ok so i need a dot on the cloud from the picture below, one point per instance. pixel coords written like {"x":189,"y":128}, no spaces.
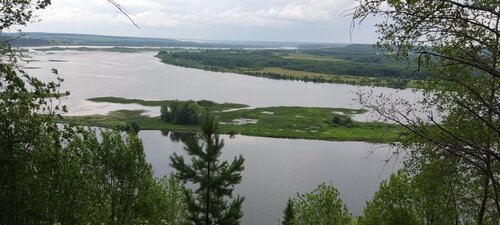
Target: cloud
{"x":302,"y":20}
{"x":173,"y":13}
{"x":312,"y":11}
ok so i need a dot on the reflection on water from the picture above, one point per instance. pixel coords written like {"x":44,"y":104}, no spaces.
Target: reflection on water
{"x":276,"y":169}
{"x":177,"y":136}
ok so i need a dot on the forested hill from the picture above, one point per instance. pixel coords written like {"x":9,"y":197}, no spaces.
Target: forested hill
{"x":54,"y":39}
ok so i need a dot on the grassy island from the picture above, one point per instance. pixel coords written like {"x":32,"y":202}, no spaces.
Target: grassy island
{"x":279,"y":122}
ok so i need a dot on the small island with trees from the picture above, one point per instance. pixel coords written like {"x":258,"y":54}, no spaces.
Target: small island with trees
{"x":278,"y":122}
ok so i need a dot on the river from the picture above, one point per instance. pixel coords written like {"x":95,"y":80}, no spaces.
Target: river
{"x":275,"y":169}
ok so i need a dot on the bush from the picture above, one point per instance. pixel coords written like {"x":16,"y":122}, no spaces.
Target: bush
{"x":342,"y":121}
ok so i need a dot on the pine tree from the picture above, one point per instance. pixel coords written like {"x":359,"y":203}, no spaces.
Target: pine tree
{"x":207,"y":204}
{"x":288,"y":213}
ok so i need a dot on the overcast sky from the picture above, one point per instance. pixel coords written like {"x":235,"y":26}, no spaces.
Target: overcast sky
{"x":247,"y":20}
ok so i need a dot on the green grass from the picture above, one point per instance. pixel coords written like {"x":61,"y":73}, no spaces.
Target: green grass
{"x":277,"y":122}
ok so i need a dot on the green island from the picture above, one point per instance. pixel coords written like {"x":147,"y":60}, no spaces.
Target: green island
{"x":332,"y":124}
{"x":352,"y":64}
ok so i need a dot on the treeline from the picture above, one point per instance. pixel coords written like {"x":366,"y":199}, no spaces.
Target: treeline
{"x":399,"y":83}
{"x":362,"y":53}
{"x":256,"y":59}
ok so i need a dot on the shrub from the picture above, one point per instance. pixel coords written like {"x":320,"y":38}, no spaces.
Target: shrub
{"x":342,"y":121}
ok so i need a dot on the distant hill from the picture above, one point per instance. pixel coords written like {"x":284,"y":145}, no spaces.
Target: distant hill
{"x":55,"y":39}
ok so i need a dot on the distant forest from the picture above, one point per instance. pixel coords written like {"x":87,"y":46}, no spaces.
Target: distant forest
{"x":54,"y":39}
{"x":357,"y":60}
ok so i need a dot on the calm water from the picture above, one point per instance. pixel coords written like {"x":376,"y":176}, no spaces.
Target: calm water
{"x":276,"y":169}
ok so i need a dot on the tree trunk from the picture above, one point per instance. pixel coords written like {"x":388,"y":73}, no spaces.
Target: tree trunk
{"x":483,"y":202}
{"x":208,"y":195}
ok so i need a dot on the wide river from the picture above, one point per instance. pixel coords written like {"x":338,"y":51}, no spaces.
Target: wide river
{"x":275,"y":169}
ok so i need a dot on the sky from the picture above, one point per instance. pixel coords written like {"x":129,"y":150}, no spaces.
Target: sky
{"x":239,"y":20}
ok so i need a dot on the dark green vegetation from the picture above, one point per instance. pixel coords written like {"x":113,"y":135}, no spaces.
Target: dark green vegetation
{"x":279,"y":122}
{"x":288,"y":214}
{"x":352,"y":64}
{"x":205,"y":103}
{"x":215,"y":180}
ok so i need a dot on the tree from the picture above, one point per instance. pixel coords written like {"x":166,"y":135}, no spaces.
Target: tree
{"x":127,"y":176}
{"x":458,"y":42}
{"x":175,"y":208}
{"x":428,"y":197}
{"x":178,"y":112}
{"x":288,"y":216}
{"x":216,"y":180}
{"x":322,"y":206}
{"x":165,"y":202}
{"x":392,"y":204}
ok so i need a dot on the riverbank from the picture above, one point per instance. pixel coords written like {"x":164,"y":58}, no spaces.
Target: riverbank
{"x":316,"y":123}
{"x":304,"y":66}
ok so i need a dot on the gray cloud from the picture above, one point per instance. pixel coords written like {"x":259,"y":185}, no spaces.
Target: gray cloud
{"x":202,"y":19}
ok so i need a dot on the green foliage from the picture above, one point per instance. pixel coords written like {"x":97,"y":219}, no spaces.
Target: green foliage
{"x":185,"y":113}
{"x":392,"y":204}
{"x":428,"y":197}
{"x":208,"y":204}
{"x":127,"y":174}
{"x":288,"y":213}
{"x":166,"y":202}
{"x":321,"y":206}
